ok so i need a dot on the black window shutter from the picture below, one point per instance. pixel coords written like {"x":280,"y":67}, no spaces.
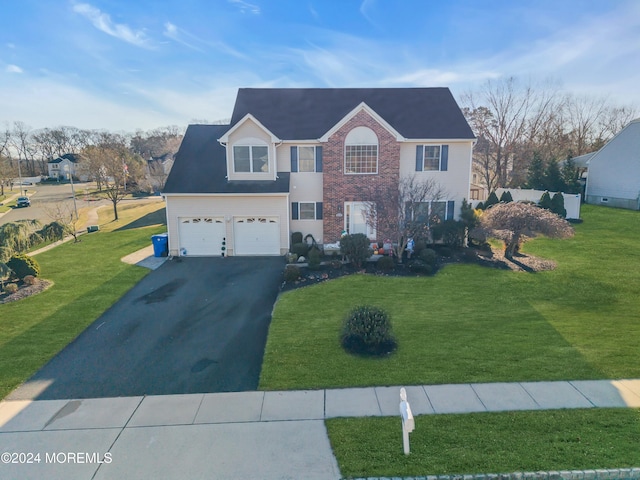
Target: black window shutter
{"x":318,"y":210}
{"x":444,"y":158}
{"x":450,"y":207}
{"x":319,"y":159}
{"x":419,"y":156}
{"x":294,"y":211}
{"x":294,"y":159}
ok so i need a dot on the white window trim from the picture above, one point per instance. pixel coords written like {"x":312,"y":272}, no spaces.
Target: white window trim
{"x":361,"y":145}
{"x":315,"y":213}
{"x":233,"y":159}
{"x":298,"y":147}
{"x":424,"y":158}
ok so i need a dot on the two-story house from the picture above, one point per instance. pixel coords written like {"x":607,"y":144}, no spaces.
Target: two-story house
{"x":303,"y":159}
{"x":63,"y":167}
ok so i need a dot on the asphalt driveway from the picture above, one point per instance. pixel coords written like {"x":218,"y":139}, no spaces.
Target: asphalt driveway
{"x":194,"y":325}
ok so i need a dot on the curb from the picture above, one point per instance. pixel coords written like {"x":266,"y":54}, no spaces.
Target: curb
{"x":599,"y":474}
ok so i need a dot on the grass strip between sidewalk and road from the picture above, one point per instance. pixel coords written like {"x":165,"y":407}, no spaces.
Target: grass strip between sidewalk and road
{"x":474,"y":443}
{"x":88,"y":278}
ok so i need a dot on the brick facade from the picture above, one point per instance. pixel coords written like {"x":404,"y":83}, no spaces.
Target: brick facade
{"x":339,"y":188}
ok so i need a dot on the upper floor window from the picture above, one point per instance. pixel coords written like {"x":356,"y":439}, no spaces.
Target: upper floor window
{"x":361,"y":159}
{"x":306,"y":159}
{"x":361,"y":151}
{"x":250,"y":158}
{"x":432,"y":158}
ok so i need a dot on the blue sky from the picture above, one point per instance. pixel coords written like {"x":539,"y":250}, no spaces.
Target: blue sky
{"x":129,"y":64}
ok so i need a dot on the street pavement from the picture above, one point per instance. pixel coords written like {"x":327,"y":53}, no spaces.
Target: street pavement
{"x":240,"y":435}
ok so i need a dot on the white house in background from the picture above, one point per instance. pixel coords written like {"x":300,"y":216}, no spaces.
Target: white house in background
{"x":63,"y":166}
{"x":614,"y":171}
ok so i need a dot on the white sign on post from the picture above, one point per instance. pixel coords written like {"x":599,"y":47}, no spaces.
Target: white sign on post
{"x":408,"y":424}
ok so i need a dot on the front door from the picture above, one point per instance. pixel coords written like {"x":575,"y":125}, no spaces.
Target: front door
{"x":355,"y":219}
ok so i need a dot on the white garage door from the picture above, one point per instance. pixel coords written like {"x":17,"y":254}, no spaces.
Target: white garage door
{"x":201,"y":236}
{"x":256,"y":235}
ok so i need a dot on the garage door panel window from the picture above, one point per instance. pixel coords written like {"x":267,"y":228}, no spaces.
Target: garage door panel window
{"x":250,"y":158}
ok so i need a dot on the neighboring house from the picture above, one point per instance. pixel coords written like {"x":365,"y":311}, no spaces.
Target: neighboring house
{"x":614,"y":171}
{"x":63,"y":166}
{"x":160,"y":165}
{"x":302,"y":159}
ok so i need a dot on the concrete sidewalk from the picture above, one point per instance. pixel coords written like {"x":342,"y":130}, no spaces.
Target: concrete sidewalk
{"x":267,"y":435}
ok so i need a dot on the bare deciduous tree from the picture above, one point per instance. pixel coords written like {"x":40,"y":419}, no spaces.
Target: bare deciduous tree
{"x":513,"y":120}
{"x":515,"y":222}
{"x":396,"y":211}
{"x":505,"y":114}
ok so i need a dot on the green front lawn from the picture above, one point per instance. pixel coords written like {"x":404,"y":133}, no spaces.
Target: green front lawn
{"x":488,"y":443}
{"x":88,"y":278}
{"x":476,"y":324}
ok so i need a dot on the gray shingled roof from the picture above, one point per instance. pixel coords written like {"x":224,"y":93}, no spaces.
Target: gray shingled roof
{"x":200,"y":167}
{"x":308,"y":113}
{"x":72,"y":157}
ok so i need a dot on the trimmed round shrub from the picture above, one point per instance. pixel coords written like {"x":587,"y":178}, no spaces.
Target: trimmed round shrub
{"x":30,"y":280}
{"x":291,"y":273}
{"x":386,"y":264}
{"x":367,"y":331}
{"x":314,"y":258}
{"x":23,"y":265}
{"x":301,"y":249}
{"x":11,"y":288}
{"x":296,"y":237}
{"x":292,"y":258}
{"x":428,"y":255}
{"x":356,"y":247}
{"x":421,"y":267}
{"x":335,"y":264}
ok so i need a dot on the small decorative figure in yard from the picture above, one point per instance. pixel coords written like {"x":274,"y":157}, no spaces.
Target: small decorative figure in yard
{"x":410,"y":245}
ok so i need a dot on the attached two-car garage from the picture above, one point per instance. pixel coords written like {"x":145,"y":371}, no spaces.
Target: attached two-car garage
{"x":252,"y":235}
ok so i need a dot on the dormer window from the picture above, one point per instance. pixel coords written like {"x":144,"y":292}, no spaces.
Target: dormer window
{"x":251,"y":159}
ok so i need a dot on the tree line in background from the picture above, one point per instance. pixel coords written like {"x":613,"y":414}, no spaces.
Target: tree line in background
{"x":525,"y":132}
{"x":111,"y":159}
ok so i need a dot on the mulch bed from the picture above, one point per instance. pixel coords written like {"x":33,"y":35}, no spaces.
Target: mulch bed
{"x":491,"y":259}
{"x":25,"y":291}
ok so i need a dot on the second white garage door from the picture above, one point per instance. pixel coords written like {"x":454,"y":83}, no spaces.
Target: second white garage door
{"x":256,"y":235}
{"x":201,"y":236}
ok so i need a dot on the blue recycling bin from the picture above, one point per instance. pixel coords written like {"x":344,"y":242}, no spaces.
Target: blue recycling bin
{"x":160,"y":244}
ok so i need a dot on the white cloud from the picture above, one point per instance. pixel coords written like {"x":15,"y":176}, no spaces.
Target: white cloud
{"x":245,"y":7}
{"x":189,"y":40}
{"x":13,"y":69}
{"x":436,"y":77}
{"x":174,"y":33}
{"x":102,"y":21}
